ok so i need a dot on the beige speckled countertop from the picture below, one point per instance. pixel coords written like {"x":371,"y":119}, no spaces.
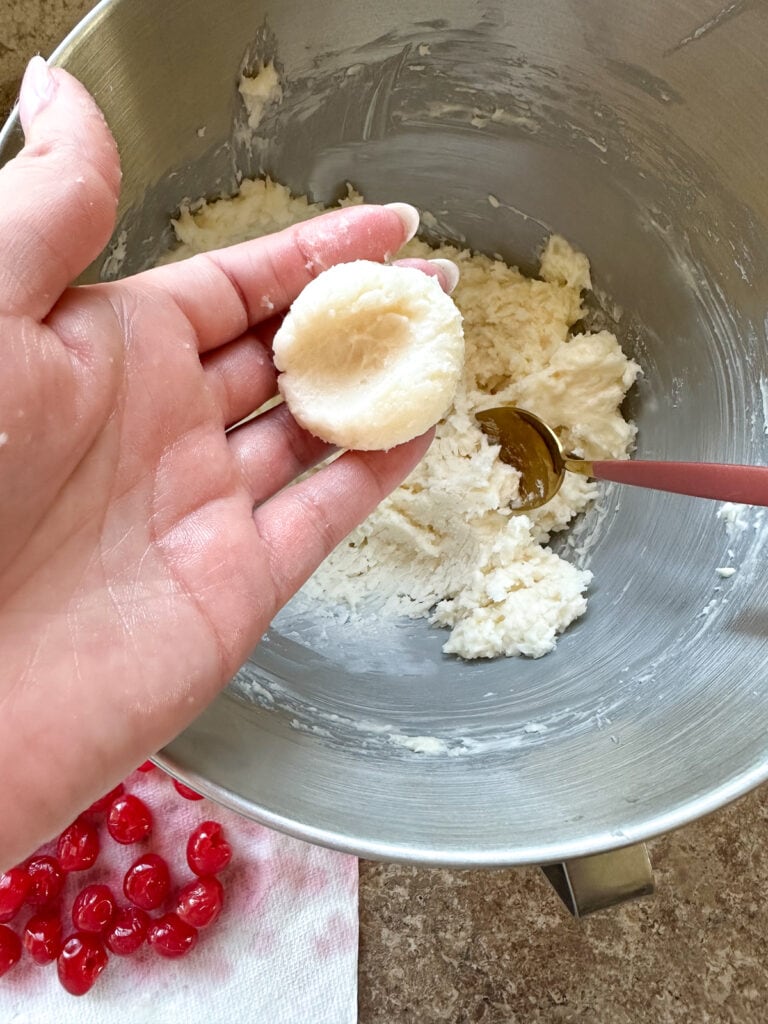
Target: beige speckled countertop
{"x":497,"y":947}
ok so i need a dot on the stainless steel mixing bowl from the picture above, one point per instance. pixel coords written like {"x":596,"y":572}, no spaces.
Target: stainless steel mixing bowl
{"x":638,"y":131}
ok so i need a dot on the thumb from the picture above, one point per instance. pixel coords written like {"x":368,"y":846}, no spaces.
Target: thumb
{"x":59,"y":194}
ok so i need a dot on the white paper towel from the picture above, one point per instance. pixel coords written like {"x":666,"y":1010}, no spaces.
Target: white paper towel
{"x":283,"y":951}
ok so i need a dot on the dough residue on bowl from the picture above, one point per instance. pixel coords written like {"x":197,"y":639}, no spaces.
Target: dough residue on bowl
{"x":445,"y":545}
{"x":259,"y":91}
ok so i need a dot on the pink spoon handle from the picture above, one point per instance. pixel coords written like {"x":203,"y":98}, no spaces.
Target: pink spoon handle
{"x":747,"y":485}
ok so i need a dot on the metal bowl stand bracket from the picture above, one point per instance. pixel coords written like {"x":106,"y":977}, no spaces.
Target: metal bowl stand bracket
{"x":603,"y":880}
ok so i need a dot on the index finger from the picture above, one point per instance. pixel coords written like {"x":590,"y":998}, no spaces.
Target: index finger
{"x":223,"y":292}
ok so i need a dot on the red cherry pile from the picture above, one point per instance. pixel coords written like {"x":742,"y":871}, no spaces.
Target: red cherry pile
{"x":102,"y":926}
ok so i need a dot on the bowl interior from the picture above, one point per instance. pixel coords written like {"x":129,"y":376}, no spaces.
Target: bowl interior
{"x":627,"y":141}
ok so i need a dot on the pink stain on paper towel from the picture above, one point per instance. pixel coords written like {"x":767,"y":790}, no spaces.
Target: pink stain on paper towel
{"x":269,"y":884}
{"x":339,"y":936}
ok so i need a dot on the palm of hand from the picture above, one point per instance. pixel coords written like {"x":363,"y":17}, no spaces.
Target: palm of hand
{"x":144,"y":550}
{"x":132,"y":555}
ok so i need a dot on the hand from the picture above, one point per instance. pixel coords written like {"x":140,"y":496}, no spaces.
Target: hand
{"x":143,"y":551}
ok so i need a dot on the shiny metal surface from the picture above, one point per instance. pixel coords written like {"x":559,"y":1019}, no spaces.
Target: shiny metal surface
{"x":533,"y":447}
{"x":637,"y":130}
{"x":603,"y":880}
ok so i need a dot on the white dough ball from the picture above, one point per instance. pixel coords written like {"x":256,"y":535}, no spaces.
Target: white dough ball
{"x":370,"y":355}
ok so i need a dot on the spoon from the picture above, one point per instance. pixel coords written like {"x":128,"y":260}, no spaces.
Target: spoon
{"x":534,"y":449}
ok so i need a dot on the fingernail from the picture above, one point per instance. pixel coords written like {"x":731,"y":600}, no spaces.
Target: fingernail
{"x":37,"y":90}
{"x":449,"y":271}
{"x":409,"y":215}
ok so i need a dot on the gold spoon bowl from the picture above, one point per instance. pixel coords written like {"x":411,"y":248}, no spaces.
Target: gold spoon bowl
{"x":534,"y":449}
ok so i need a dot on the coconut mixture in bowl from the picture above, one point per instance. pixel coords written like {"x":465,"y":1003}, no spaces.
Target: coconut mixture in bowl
{"x":445,"y":545}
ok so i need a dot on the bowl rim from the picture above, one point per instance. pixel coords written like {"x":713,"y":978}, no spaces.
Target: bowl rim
{"x":12,"y":123}
{"x":684,"y":813}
